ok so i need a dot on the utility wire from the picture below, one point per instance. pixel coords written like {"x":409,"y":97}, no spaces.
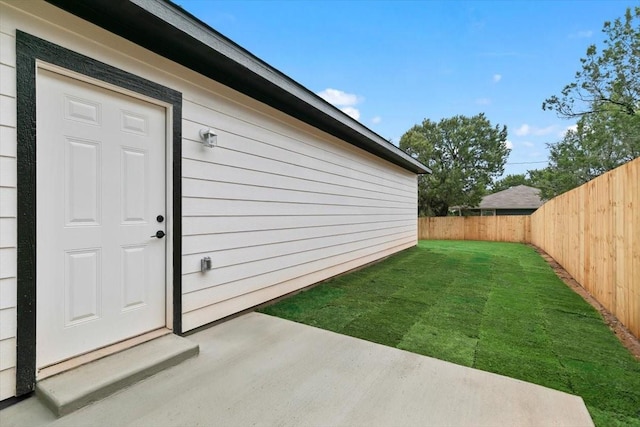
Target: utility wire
{"x":524,"y":163}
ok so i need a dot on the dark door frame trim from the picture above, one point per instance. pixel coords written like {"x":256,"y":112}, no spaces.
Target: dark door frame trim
{"x":29,"y":49}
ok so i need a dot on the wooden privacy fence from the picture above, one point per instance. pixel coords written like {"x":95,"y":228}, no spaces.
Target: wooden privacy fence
{"x":593,"y":231}
{"x":493,"y":228}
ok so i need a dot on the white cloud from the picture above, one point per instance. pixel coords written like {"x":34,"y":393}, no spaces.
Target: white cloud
{"x":528,"y":144}
{"x":567,"y":129}
{"x":508,"y":144}
{"x":544,"y":131}
{"x":483,"y":101}
{"x":351,"y":111}
{"x":338,"y":97}
{"x":345,"y":101}
{"x":497,"y":78}
{"x":584,"y":34}
{"x":376,"y":120}
{"x":525,"y":130}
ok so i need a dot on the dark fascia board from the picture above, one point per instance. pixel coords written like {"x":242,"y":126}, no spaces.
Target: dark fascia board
{"x":168,"y":30}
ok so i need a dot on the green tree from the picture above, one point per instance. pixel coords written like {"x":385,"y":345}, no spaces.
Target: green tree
{"x":464,"y":153}
{"x":598,"y":144}
{"x":609,"y":80}
{"x":605,"y":97}
{"x":510,"y":181}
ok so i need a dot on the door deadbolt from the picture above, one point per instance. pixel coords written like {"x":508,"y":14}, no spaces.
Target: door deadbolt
{"x":159,"y":218}
{"x":159,"y":234}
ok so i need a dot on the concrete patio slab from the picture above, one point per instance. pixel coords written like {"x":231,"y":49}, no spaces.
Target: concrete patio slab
{"x":261,"y":370}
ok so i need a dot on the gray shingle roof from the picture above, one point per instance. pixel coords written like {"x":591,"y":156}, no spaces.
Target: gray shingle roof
{"x":518,"y":197}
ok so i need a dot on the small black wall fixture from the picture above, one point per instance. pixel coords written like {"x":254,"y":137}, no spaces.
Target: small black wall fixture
{"x":29,"y":49}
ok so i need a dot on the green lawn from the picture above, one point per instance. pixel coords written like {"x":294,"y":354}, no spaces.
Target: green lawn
{"x":492,"y":306}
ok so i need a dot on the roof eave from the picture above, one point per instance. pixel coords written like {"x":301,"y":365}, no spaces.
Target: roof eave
{"x":168,"y":30}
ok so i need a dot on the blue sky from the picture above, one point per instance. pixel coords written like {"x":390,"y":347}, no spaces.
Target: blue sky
{"x":390,"y":64}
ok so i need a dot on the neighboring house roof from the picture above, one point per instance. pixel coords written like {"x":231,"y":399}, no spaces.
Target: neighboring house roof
{"x":518,"y":197}
{"x":168,"y":30}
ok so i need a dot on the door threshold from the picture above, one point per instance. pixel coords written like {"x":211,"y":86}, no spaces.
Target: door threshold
{"x":74,"y":362}
{"x":79,"y":387}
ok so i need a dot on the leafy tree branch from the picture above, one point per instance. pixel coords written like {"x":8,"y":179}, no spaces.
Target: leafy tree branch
{"x":464,"y":153}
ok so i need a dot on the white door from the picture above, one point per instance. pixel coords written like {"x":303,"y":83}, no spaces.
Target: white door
{"x":100,"y":191}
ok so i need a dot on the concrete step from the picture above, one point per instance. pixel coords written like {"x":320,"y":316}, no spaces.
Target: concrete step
{"x":71,"y":390}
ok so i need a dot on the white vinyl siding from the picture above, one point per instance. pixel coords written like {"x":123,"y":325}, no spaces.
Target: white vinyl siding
{"x":8,"y":222}
{"x":278,"y":205}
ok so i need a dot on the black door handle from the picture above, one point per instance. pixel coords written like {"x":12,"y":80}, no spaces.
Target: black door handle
{"x":159,"y":234}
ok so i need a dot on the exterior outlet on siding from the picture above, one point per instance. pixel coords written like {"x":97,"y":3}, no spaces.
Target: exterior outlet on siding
{"x":293,"y":193}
